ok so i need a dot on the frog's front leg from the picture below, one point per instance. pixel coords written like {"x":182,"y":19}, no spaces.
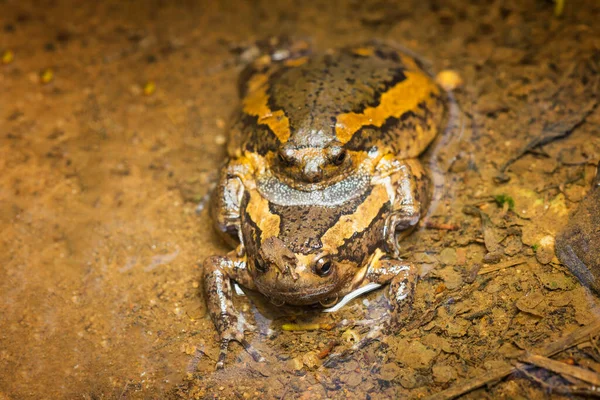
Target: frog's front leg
{"x":401,"y":277}
{"x":227,"y":199}
{"x":230,"y":324}
{"x":406,"y":184}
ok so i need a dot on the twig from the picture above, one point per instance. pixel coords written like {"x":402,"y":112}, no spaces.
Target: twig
{"x":562,"y":368}
{"x":498,"y":267}
{"x":287,"y":389}
{"x":550,"y":133}
{"x":568,"y":341}
{"x":569,"y":390}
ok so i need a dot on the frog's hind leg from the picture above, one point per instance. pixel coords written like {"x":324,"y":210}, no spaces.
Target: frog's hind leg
{"x":230,"y":324}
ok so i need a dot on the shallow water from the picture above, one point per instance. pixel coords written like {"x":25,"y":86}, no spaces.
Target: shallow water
{"x":101,"y":245}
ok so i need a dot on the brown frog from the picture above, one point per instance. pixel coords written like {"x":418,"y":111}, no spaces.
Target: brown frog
{"x":322,"y":176}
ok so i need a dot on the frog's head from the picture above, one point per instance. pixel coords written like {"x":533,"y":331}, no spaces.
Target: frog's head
{"x":298,"y":279}
{"x":313,"y":160}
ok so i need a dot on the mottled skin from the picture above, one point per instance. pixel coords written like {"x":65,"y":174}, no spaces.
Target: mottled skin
{"x":311,"y":225}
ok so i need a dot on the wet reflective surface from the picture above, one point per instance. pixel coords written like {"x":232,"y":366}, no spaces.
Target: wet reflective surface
{"x":101,"y":173}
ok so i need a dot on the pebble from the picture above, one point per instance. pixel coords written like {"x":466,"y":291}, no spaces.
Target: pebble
{"x":220,"y":140}
{"x":414,"y":354}
{"x":444,"y":373}
{"x":311,"y":359}
{"x":389,"y":371}
{"x":449,"y":79}
{"x":353,"y":379}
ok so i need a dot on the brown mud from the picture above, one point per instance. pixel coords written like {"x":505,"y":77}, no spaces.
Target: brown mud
{"x":111,"y":131}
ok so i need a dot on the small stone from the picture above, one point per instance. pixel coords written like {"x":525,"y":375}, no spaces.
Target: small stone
{"x":452,"y":279}
{"x":437,"y":342}
{"x":556,"y":281}
{"x":408,"y":378}
{"x":353,"y":379}
{"x":448,"y":256}
{"x":295,"y":364}
{"x":389,"y":371}
{"x":492,"y":258}
{"x":220,"y":140}
{"x":544,"y":252}
{"x":449,"y":79}
{"x":414,"y":354}
{"x":311,"y":359}
{"x":444,"y":373}
{"x":531,"y":304}
{"x":458,"y":327}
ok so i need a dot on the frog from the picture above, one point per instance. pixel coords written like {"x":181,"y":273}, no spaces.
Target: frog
{"x":321,"y":182}
{"x":313,"y":119}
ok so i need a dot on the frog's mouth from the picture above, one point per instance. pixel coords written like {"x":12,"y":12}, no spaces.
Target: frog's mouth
{"x":324,"y":293}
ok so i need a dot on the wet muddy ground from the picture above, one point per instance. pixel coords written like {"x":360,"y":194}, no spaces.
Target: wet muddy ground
{"x":112,"y":120}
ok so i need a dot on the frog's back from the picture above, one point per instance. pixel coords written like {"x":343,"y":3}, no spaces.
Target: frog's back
{"x":364,"y":98}
{"x":349,"y":225}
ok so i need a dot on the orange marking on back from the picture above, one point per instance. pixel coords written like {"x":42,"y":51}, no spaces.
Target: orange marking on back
{"x":256,"y":104}
{"x":356,"y":222}
{"x":258,"y":210}
{"x":405,"y":96}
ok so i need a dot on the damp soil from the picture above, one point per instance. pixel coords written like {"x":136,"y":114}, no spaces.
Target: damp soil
{"x":112,"y":119}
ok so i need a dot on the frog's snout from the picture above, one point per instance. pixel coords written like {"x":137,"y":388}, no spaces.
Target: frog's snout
{"x":312,"y":171}
{"x":312,"y":162}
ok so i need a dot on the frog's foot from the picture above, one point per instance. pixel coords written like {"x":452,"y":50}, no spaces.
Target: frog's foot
{"x":401,"y":293}
{"x":397,"y":225}
{"x":235,"y":332}
{"x":230,"y":324}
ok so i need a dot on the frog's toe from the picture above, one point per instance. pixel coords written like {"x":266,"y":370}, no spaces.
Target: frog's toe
{"x":238,"y":337}
{"x":252,"y":351}
{"x":223,"y":353}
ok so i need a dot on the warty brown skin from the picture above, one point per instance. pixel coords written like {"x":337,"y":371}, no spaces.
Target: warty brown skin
{"x":306,"y":240}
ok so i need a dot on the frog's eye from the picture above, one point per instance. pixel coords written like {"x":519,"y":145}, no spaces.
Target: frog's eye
{"x":339,"y":159}
{"x":337,"y":154}
{"x":260,"y":265}
{"x":285,"y":157}
{"x":323,"y":266}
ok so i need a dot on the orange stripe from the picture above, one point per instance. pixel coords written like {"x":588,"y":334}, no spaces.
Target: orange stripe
{"x":256,"y":104}
{"x":403,"y":97}
{"x":258,"y":210}
{"x":356,"y":222}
